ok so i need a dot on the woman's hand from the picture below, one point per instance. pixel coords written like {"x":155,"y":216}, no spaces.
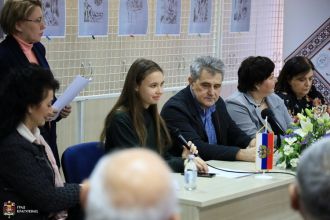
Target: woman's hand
{"x":186,"y":151}
{"x":65,"y":111}
{"x":200,"y":163}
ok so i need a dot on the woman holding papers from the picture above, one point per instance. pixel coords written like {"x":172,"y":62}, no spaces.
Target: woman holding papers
{"x":29,"y":176}
{"x":256,"y":84}
{"x":135,"y":121}
{"x":23,"y":22}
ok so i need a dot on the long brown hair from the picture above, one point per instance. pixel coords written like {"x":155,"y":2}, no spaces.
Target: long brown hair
{"x":130,"y":101}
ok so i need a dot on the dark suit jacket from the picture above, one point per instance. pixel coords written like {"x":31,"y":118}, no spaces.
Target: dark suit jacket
{"x":27,"y":178}
{"x":181,"y":112}
{"x":12,"y":56}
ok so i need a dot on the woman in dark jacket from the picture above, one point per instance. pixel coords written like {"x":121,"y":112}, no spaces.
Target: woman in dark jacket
{"x":23,"y":22}
{"x":29,"y":177}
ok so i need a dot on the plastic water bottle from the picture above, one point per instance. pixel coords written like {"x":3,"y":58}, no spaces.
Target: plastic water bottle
{"x":190,"y":174}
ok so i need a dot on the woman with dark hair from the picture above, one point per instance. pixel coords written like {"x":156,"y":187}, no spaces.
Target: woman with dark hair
{"x":255,"y":93}
{"x":135,"y":121}
{"x":295,"y":85}
{"x":23,"y":22}
{"x":29,"y":176}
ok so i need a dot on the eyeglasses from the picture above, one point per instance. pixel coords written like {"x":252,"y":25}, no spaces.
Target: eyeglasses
{"x":37,"y":21}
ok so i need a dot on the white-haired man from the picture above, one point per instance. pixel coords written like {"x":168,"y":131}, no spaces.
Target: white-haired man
{"x":310,"y":194}
{"x":131,"y":184}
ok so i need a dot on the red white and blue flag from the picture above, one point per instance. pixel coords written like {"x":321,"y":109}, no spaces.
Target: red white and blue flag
{"x":264,"y":151}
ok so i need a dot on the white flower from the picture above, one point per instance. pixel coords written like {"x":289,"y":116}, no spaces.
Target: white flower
{"x":282,"y":165}
{"x":323,"y":118}
{"x":300,"y":132}
{"x":301,"y":117}
{"x":294,"y":162}
{"x":307,"y":126}
{"x":290,"y":140}
{"x":288,"y":150}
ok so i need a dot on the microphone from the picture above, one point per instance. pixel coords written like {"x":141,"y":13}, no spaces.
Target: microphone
{"x":276,"y":127}
{"x":176,"y":133}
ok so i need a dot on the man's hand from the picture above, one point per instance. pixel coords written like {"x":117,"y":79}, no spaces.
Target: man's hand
{"x":252,"y":143}
{"x":248,"y":154}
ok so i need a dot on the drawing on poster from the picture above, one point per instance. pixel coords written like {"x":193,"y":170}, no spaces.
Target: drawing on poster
{"x":200,"y":11}
{"x":51,"y":12}
{"x":241,"y":10}
{"x":240,"y":15}
{"x":321,"y":61}
{"x":169,"y":12}
{"x":134,"y":9}
{"x":93,"y":13}
{"x":317,"y":48}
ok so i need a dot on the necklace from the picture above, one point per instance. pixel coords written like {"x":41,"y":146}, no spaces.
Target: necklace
{"x":260,"y":103}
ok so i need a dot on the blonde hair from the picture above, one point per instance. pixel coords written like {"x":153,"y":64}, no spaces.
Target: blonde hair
{"x":14,"y":11}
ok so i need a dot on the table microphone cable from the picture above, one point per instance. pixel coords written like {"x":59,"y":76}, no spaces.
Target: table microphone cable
{"x":251,"y":172}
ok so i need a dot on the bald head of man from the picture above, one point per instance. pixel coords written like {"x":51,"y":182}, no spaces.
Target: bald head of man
{"x":310,"y":193}
{"x":131,"y":184}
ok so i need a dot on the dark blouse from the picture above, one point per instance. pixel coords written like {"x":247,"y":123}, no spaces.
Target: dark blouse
{"x":296,"y":106}
{"x":121,"y":134}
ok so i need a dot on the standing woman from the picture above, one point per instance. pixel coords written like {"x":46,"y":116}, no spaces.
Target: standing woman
{"x":295,"y":85}
{"x":255,"y":93}
{"x":23,"y":22}
{"x":29,"y":176}
{"x":135,"y":121}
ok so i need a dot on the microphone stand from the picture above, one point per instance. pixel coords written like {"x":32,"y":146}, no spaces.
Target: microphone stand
{"x":278,"y":142}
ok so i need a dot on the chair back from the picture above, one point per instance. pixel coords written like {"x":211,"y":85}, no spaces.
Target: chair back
{"x":78,"y":161}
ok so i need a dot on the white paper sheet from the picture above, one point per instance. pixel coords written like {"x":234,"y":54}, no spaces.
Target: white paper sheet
{"x":228,"y":174}
{"x":77,"y":85}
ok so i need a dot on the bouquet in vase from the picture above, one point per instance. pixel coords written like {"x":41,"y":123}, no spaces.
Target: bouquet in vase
{"x":306,"y":129}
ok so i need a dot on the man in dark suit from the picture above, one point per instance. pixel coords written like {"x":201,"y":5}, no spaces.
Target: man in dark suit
{"x":201,"y":116}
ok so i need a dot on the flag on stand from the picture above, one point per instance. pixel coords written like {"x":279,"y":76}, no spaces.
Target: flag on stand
{"x":264,"y":151}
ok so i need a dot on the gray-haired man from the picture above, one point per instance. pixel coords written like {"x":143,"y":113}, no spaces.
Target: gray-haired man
{"x":200,"y":114}
{"x":310,"y":194}
{"x":131,"y":184}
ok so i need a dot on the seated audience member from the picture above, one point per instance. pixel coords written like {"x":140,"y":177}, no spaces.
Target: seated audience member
{"x":295,"y":87}
{"x":29,"y":176}
{"x":310,"y":194}
{"x":255,"y":93}
{"x":200,"y":114}
{"x":131,"y":184}
{"x":135,"y":121}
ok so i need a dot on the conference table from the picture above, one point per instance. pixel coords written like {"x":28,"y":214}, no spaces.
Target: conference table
{"x":245,"y":197}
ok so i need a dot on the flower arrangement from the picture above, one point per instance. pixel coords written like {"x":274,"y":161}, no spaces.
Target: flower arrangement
{"x":306,"y":129}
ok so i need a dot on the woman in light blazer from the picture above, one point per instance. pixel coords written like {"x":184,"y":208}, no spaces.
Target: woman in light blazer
{"x":255,"y":93}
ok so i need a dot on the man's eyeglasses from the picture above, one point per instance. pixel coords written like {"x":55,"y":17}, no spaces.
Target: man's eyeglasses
{"x":37,"y":21}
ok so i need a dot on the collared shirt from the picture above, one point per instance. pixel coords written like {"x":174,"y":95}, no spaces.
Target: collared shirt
{"x":27,"y":134}
{"x":206,"y":116}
